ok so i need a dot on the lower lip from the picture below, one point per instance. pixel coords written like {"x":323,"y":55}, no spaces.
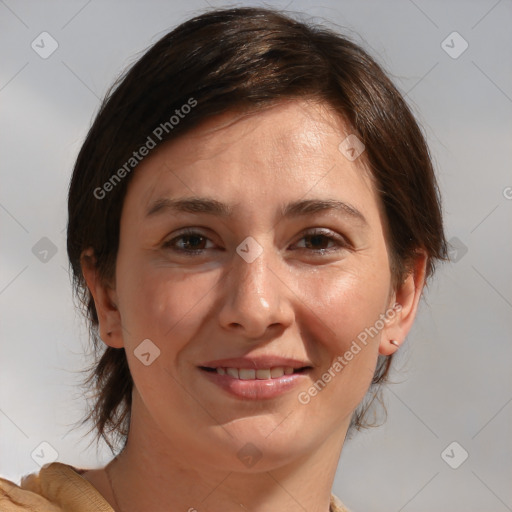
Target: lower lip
{"x":256,"y":389}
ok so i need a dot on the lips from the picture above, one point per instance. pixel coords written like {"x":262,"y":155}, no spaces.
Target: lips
{"x":258,"y":378}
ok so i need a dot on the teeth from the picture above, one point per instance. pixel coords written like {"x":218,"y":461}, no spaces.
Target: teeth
{"x":260,"y":374}
{"x":277,"y":372}
{"x":232,"y":372}
{"x":263,"y":373}
{"x":246,"y":374}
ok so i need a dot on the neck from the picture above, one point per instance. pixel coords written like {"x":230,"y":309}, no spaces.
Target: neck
{"x":156,"y":473}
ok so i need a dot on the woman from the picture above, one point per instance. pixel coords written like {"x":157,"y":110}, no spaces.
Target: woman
{"x":252,"y":219}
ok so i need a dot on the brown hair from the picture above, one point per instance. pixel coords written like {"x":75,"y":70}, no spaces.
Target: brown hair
{"x":248,"y":58}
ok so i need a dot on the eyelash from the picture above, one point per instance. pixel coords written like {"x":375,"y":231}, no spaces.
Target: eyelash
{"x":340,"y":242}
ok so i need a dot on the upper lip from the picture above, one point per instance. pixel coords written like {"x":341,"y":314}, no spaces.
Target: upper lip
{"x":257,"y":363}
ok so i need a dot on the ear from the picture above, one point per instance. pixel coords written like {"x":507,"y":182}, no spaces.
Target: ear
{"x":406,"y":299}
{"x":105,"y":300}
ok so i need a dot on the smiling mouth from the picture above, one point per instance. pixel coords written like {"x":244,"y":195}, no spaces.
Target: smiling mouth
{"x":253,"y":374}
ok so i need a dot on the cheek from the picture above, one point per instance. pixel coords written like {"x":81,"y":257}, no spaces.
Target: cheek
{"x":345,"y":301}
{"x":162,"y":304}
{"x":343,"y":381}
{"x":345,"y":327}
{"x":165,"y":306}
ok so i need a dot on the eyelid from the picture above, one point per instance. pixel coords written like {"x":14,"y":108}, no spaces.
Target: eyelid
{"x":188,"y":231}
{"x":341,"y":242}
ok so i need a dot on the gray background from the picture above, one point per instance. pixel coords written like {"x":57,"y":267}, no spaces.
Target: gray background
{"x":454,"y":383}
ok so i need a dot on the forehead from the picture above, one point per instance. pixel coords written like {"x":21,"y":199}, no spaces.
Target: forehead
{"x":288,"y":150}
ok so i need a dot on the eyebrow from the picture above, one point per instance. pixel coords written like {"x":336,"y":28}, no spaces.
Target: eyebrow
{"x":213,"y":207}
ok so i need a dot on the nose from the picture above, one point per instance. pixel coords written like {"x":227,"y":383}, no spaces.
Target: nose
{"x":256,"y":297}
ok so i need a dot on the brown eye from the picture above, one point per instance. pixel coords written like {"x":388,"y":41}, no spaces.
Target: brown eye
{"x":189,"y":242}
{"x":318,"y":241}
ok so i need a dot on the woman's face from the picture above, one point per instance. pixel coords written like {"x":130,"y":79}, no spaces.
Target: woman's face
{"x":260,"y":268}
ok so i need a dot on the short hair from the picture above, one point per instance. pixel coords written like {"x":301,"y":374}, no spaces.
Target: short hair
{"x":241,"y":59}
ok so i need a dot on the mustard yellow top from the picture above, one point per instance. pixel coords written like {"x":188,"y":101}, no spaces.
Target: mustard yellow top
{"x":59,"y":487}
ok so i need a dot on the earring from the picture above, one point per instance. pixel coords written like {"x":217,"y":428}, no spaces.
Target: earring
{"x":394,"y":342}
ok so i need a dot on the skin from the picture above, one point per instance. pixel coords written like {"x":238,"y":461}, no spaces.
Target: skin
{"x":292,"y":301}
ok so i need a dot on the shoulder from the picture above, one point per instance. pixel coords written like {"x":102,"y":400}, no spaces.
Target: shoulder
{"x":337,"y":505}
{"x":57,"y":487}
{"x":13,"y":498}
